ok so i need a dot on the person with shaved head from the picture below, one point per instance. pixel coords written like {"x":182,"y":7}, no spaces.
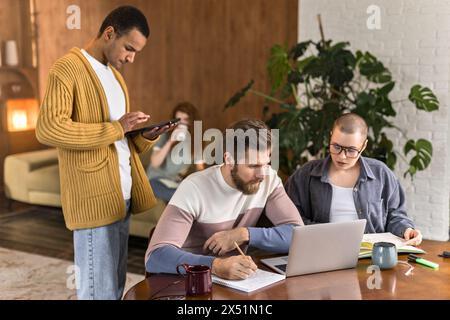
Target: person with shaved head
{"x":346,"y":186}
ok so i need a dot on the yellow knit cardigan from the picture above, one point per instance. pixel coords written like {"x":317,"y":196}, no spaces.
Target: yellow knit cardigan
{"x":74,"y":118}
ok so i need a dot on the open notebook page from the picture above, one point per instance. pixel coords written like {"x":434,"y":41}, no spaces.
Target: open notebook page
{"x":256,"y":281}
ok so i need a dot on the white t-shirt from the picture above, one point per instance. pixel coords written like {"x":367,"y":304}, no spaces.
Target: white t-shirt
{"x":117,"y":108}
{"x":342,"y":205}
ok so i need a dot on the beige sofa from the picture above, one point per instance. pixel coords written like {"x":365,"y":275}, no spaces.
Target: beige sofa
{"x":33,"y":177}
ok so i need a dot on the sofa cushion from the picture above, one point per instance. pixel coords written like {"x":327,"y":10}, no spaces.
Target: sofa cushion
{"x":44,"y":198}
{"x":142,"y":223}
{"x":44,"y":179}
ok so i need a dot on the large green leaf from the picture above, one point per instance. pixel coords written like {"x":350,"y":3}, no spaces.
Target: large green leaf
{"x":384,"y":107}
{"x":339,"y":64}
{"x":278,"y":66}
{"x":299,"y":49}
{"x":410,"y":145}
{"x":334,"y":64}
{"x":239,"y":95}
{"x":315,"y":68}
{"x":341,"y":68}
{"x":372,"y":68}
{"x":423,"y":98}
{"x":424,"y":151}
{"x":387,"y":88}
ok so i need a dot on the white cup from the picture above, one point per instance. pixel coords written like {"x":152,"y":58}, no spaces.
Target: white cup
{"x":180,"y":132}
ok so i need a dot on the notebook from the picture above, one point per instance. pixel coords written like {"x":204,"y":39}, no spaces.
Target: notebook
{"x":256,"y":281}
{"x":371,"y":238}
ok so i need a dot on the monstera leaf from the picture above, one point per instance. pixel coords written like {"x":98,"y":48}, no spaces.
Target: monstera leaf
{"x":373,"y":69}
{"x":334,"y":64}
{"x":386,"y":89}
{"x":422,"y":159}
{"x":299,"y":49}
{"x":239,"y":95}
{"x":423,"y":98}
{"x":278,"y":66}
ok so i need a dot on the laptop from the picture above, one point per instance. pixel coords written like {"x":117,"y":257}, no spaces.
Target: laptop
{"x":320,"y":248}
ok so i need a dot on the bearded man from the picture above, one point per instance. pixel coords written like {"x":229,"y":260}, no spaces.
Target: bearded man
{"x":215,"y":208}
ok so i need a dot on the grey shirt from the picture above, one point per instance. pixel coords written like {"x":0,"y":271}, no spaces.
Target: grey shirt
{"x":378,"y":196}
{"x":168,"y":169}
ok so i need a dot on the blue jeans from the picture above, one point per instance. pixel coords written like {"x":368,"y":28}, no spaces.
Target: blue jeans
{"x":161,"y":191}
{"x":101,"y":256}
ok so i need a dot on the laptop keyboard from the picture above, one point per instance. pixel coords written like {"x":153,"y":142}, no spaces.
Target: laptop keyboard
{"x":282,"y":267}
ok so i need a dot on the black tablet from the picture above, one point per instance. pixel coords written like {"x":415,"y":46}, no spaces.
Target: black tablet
{"x":147,"y":127}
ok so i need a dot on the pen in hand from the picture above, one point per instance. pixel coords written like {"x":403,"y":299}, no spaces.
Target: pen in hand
{"x":240,"y":251}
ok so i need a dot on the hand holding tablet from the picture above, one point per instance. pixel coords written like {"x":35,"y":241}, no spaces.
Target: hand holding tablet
{"x":154,"y":127}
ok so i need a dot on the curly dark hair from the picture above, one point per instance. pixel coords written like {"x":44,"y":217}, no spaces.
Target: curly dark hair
{"x":187,"y":108}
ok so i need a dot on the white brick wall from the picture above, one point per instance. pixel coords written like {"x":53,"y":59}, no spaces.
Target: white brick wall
{"x":414,"y":43}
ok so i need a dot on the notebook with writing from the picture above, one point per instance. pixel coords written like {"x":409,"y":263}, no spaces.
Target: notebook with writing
{"x":258,"y":280}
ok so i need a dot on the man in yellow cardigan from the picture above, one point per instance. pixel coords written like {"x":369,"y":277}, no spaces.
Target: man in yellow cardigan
{"x":85,"y":114}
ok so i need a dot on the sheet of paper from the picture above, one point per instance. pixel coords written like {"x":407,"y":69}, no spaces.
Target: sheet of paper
{"x":169,"y":183}
{"x":259,"y":279}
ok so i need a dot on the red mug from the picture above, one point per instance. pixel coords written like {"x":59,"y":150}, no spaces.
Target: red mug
{"x":198,"y":279}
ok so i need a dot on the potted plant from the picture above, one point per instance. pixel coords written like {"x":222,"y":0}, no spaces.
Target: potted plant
{"x":315,"y":82}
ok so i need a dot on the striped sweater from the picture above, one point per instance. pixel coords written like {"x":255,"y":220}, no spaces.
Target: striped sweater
{"x":205,"y":204}
{"x":74,"y":118}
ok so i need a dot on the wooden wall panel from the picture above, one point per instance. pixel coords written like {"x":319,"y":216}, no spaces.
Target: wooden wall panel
{"x":11,"y":12}
{"x":10,"y":23}
{"x":14,"y":25}
{"x":203,"y":51}
{"x":55,"y":39}
{"x":199,"y":50}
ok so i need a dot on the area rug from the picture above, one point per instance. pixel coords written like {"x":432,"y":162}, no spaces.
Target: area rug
{"x":26,"y":276}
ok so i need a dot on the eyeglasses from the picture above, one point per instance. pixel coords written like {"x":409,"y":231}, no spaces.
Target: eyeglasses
{"x":350,"y":152}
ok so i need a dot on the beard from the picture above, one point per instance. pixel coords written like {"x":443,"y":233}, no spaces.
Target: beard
{"x":246,"y":188}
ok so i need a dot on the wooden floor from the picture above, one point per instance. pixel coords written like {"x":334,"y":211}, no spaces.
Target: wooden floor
{"x":41,"y":230}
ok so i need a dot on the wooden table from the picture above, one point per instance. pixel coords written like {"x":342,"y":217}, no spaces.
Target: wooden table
{"x":423,"y":283}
